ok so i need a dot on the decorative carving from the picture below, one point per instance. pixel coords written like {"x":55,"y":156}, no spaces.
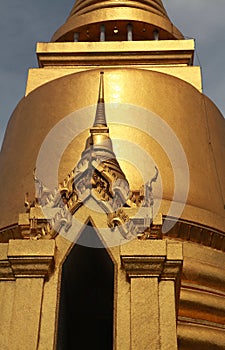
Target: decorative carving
{"x":117,"y":218}
{"x":153,"y":230}
{"x":97,"y":174}
{"x":148,"y":200}
{"x":63,"y":201}
{"x":101,"y":186}
{"x":62,"y":219}
{"x":146,"y":228}
{"x":106,"y":187}
{"x":125,"y":225}
{"x":135,"y":199}
{"x":32,"y":228}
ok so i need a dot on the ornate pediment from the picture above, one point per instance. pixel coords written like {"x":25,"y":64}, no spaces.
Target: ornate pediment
{"x":99,"y":176}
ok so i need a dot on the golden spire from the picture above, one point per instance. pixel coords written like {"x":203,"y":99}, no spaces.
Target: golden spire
{"x":100,"y":118}
{"x":145,"y":16}
{"x":99,"y":155}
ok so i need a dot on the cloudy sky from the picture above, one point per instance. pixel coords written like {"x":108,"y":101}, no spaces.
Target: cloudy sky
{"x":25,"y":22}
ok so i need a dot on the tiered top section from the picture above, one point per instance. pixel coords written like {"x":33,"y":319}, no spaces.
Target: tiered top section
{"x":112,"y":20}
{"x":98,"y":167}
{"x":84,"y":6}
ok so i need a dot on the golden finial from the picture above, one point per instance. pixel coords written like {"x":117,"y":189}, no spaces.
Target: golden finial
{"x":100,"y":118}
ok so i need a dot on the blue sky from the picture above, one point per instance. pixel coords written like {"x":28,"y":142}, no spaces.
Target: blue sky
{"x":23,"y":23}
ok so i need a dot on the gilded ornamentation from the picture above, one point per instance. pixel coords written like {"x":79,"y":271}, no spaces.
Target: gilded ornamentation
{"x":98,"y":175}
{"x":152,"y":232}
{"x":125,"y":225}
{"x":33,"y":225}
{"x":148,"y":200}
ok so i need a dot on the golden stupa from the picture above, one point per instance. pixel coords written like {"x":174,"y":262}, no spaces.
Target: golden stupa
{"x":133,"y":163}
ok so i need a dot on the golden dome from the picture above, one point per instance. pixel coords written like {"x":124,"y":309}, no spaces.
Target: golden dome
{"x":145,"y":16}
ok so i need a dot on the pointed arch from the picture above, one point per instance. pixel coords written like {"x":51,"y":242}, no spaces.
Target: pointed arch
{"x":86,"y":302}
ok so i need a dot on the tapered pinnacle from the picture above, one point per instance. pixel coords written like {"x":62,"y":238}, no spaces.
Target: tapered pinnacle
{"x":100,"y":118}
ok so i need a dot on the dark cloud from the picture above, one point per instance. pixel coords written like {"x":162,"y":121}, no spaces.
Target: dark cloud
{"x":23,"y":23}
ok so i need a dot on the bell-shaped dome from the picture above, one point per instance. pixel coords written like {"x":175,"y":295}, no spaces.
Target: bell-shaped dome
{"x":146,"y":17}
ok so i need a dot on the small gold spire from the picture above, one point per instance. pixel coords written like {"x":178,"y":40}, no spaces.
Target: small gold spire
{"x":101,"y":88}
{"x":100,"y":118}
